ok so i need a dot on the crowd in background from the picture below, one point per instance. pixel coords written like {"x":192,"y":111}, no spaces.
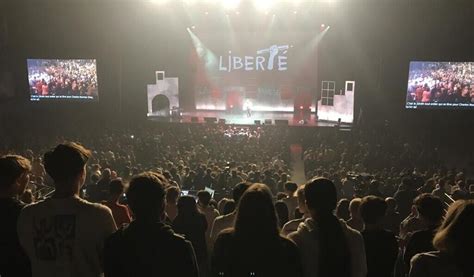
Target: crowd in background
{"x":63,"y":77}
{"x":375,"y":205}
{"x":442,"y":83}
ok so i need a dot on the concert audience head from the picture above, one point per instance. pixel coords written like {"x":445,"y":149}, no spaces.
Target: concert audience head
{"x":303,"y":209}
{"x":354,"y":207}
{"x":66,"y":166}
{"x":342,"y":209}
{"x":454,"y":236}
{"x":282,"y":213}
{"x":290,"y":188}
{"x":430,"y":208}
{"x":187,"y":206}
{"x":116,"y":188}
{"x":239,"y":190}
{"x":372,"y":210}
{"x":321,"y":199}
{"x":229,"y":207}
{"x":172,"y":194}
{"x":145,"y":196}
{"x":256,"y":216}
{"x":391,"y":204}
{"x":14,"y":175}
{"x":204,"y":198}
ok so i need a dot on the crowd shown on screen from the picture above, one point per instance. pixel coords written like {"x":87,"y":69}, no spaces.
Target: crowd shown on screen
{"x":68,"y":77}
{"x":219,"y":201}
{"x":445,"y":83}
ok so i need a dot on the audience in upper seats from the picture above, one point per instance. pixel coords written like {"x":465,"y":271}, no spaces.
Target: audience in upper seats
{"x":204,"y":198}
{"x":454,"y":244}
{"x":381,"y":246}
{"x":171,"y":207}
{"x":64,"y":234}
{"x":327,"y":245}
{"x":292,"y":225}
{"x":192,"y":225}
{"x":119,"y":211}
{"x":227,"y":221}
{"x":430,"y":211}
{"x":14,"y":177}
{"x":342,"y":209}
{"x":148,"y":246}
{"x":355,"y":221}
{"x":291,"y":201}
{"x":253,"y":247}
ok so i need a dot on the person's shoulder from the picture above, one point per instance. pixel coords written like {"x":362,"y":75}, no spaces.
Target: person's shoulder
{"x":427,"y":259}
{"x":287,"y":243}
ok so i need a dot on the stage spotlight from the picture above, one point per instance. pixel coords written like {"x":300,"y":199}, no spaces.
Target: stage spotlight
{"x":301,"y":107}
{"x":323,"y":26}
{"x":237,"y":12}
{"x":230,"y":4}
{"x":193,"y":27}
{"x":206,"y":13}
{"x":263,"y":5}
{"x":295,"y":12}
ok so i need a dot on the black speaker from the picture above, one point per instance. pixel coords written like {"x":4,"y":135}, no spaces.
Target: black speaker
{"x":268,"y":122}
{"x":281,"y":122}
{"x":194,"y":119}
{"x":257,"y":122}
{"x":210,"y":119}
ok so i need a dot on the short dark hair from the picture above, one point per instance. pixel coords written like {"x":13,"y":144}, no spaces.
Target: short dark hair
{"x":291,"y":186}
{"x":372,"y":209}
{"x":11,"y":168}
{"x":204,"y":197}
{"x":172,"y":193}
{"x":430,"y":207}
{"x":66,"y":161}
{"x":116,"y":186}
{"x":146,"y":195}
{"x":238,"y":190}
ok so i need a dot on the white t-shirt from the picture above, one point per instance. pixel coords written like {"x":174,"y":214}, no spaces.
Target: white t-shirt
{"x":65,"y":237}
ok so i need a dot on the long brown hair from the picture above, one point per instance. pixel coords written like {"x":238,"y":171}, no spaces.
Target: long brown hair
{"x":256,"y":217}
{"x":455,"y":236}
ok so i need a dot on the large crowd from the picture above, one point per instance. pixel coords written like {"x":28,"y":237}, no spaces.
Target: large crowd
{"x":63,"y":77}
{"x":219,"y":200}
{"x":442,"y":83}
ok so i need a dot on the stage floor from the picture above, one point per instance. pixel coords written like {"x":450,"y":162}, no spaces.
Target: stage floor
{"x":294,"y":119}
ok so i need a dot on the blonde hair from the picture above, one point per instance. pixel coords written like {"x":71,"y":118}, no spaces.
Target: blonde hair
{"x":457,"y":228}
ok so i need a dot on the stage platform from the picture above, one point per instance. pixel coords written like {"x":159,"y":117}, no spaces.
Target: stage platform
{"x":241,"y":118}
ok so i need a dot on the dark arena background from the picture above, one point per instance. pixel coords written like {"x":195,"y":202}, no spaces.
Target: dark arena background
{"x":215,"y":138}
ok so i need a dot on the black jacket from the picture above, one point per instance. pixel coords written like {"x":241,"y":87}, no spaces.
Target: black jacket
{"x":143,"y":249}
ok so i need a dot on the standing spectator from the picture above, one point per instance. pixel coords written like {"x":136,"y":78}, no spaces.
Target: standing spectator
{"x":254,"y":247}
{"x":120,"y":212}
{"x":227,"y":221}
{"x":291,"y":201}
{"x":292,"y":225}
{"x":342,"y":209}
{"x":430,"y":212}
{"x":381,"y":246}
{"x":64,"y":234}
{"x":192,"y":225}
{"x":148,"y":246}
{"x":454,"y":245}
{"x":269,"y":181}
{"x":282,"y":213}
{"x":171,"y":208}
{"x":355,"y":221}
{"x":392,"y":218}
{"x":405,"y":196}
{"x":327,"y":245}
{"x":14,"y":176}
{"x":210,"y":212}
{"x":103,"y":183}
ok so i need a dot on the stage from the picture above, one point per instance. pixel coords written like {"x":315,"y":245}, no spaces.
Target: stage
{"x":256,"y":118}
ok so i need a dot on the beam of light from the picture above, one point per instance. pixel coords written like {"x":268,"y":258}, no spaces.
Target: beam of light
{"x":230,"y":4}
{"x":209,"y":59}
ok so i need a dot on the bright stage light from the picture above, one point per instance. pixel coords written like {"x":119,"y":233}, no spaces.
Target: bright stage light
{"x":230,"y":4}
{"x":159,"y":1}
{"x":263,"y":5}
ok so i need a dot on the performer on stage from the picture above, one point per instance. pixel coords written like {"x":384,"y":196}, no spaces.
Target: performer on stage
{"x":248,"y":107}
